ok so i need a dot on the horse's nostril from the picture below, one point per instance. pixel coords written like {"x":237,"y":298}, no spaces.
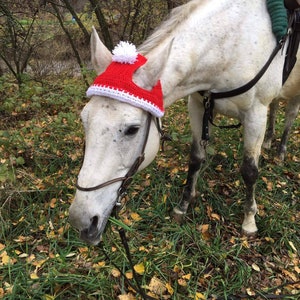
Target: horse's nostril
{"x":94,"y":221}
{"x":94,"y":225}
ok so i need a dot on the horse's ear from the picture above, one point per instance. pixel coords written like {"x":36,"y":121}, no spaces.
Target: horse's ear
{"x":151,"y":72}
{"x":100,"y":55}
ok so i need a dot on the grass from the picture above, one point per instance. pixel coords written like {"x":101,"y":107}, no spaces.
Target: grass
{"x":41,"y":257}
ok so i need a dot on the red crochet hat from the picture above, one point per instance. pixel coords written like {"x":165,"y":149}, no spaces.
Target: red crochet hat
{"x":116,"y":81}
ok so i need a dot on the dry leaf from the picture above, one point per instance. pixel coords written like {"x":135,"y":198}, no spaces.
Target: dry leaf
{"x":156,"y":286}
{"x":255,"y":267}
{"x":187,"y":276}
{"x":250,"y":292}
{"x":169,"y":289}
{"x":126,"y":297}
{"x":34,"y":276}
{"x":290,"y":274}
{"x":135,"y":217}
{"x":182,"y":282}
{"x":215,"y":216}
{"x":115,"y":273}
{"x":129,"y":275}
{"x":199,"y":296}
{"x":140,"y":268}
{"x":53,"y":202}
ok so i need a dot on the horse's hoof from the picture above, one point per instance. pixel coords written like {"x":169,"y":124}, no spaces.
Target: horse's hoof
{"x":178,"y":215}
{"x":249,"y":235}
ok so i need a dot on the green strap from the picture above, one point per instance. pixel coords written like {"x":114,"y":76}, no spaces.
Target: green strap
{"x":278,"y":14}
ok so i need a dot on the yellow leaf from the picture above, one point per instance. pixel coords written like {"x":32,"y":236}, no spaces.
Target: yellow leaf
{"x":199,"y":296}
{"x":49,"y":297}
{"x":215,"y":216}
{"x":164,"y":199}
{"x":250,"y":292}
{"x":115,"y":273}
{"x":101,"y":263}
{"x":34,"y":276}
{"x":182,"y":282}
{"x":176,"y":269}
{"x":140,"y":268}
{"x":30,"y":258}
{"x":129,"y":275}
{"x":290,"y":274}
{"x":135,"y":217}
{"x":187,"y":276}
{"x":39,"y":263}
{"x":269,"y":239}
{"x":169,"y":289}
{"x":6,"y":259}
{"x":245,"y":244}
{"x":83,"y":249}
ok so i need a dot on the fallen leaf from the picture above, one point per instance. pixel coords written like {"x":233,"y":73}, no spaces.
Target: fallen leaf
{"x":255,"y":267}
{"x":250,"y":292}
{"x":182,"y":282}
{"x":126,"y":297}
{"x":156,"y":286}
{"x":115,"y":273}
{"x":129,"y":275}
{"x":169,"y":289}
{"x":290,"y":274}
{"x":135,"y":217}
{"x":199,"y":296}
{"x":187,"y":276}
{"x":140,"y":268}
{"x":34,"y":276}
{"x":53,"y":202}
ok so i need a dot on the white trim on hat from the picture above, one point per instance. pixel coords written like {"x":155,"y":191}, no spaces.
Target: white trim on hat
{"x":123,"y":96}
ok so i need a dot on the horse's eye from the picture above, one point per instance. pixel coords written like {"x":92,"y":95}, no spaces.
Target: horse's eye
{"x":132,"y":130}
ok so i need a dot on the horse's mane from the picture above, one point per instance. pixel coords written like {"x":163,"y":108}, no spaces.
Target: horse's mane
{"x":169,"y":25}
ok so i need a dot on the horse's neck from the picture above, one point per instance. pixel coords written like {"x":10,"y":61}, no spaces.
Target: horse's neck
{"x":219,"y":46}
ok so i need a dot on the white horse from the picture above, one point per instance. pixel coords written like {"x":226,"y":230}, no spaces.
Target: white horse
{"x":290,"y":93}
{"x":204,"y":45}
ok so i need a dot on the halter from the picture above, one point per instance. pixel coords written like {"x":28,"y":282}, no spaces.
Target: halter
{"x":126,"y":180}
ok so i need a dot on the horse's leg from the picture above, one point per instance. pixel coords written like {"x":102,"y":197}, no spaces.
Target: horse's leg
{"x":271,"y":124}
{"x":291,"y":113}
{"x":254,"y":130}
{"x":197,"y":156}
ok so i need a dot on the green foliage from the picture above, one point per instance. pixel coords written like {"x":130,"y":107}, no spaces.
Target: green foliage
{"x":41,"y":257}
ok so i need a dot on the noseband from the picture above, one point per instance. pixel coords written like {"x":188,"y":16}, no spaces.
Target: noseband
{"x":128,"y":177}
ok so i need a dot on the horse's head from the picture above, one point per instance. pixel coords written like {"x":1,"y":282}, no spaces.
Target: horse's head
{"x":117,"y":134}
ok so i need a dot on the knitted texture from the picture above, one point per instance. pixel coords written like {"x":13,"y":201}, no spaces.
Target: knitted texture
{"x":278,"y":14}
{"x":116,"y":82}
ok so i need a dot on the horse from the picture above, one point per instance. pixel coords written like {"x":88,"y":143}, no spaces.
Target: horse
{"x":290,"y":94}
{"x":204,"y":45}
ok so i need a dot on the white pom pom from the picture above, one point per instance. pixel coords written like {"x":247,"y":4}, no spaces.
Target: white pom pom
{"x":125,"y":53}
